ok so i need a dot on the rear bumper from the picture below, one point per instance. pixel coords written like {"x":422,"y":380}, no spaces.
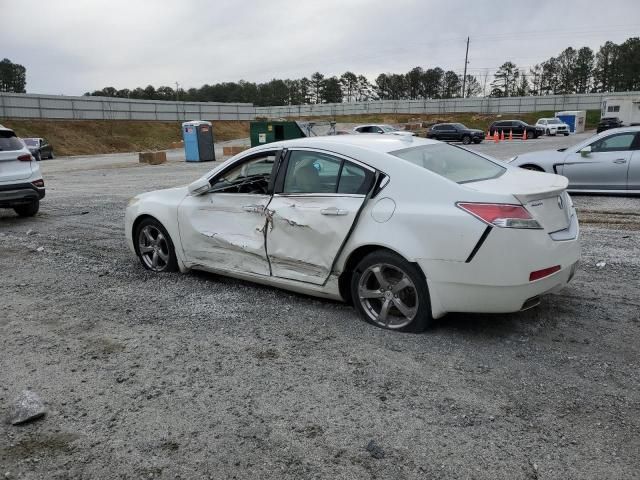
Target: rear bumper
{"x":496,"y":280}
{"x":19,"y":194}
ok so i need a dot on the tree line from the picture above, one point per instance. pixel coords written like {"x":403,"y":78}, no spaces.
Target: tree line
{"x":13,"y":77}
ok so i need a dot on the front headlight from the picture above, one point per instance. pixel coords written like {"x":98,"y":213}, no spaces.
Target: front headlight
{"x":133,"y":201}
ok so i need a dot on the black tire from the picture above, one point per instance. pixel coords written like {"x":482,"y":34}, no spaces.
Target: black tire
{"x":466,"y":139}
{"x":548,"y":132}
{"x":28,"y":210}
{"x":566,"y":134}
{"x":162,"y":253}
{"x":51,"y":156}
{"x":414,"y":297}
{"x":37,"y":156}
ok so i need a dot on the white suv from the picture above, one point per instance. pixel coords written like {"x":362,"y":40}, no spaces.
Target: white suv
{"x":553,"y":126}
{"x":21,"y":183}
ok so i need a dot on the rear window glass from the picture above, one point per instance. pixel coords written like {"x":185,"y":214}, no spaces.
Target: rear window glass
{"x":453,"y":163}
{"x":9,"y":141}
{"x":32,"y":142}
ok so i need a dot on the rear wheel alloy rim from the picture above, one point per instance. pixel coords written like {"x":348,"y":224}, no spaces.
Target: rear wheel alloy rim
{"x":153,"y":248}
{"x":388,"y":296}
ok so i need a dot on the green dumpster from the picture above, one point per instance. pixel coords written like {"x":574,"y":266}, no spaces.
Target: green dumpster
{"x":263,"y":131}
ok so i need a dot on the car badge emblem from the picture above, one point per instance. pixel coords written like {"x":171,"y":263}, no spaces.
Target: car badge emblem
{"x":560,"y":202}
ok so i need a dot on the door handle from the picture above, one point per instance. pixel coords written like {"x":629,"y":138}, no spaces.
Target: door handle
{"x":333,"y":211}
{"x":252,"y":208}
{"x":620,"y":160}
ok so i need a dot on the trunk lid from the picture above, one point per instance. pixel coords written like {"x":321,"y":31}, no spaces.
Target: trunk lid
{"x":544,"y":195}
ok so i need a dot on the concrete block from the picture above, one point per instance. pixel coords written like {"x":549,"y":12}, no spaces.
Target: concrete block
{"x":152,"y":158}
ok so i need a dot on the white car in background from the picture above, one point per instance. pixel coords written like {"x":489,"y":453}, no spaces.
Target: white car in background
{"x":21,"y":183}
{"x":382,"y":129}
{"x":553,"y":126}
{"x":404,"y":228}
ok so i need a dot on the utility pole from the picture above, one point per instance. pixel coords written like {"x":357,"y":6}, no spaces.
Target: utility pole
{"x":464,"y":78}
{"x":177,"y":90}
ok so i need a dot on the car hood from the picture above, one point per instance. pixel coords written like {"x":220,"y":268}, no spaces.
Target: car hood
{"x":400,"y":132}
{"x":546,"y":155}
{"x":167,"y":196}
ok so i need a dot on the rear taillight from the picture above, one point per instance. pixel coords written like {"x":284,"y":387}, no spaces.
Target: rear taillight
{"x":545,"y":272}
{"x":502,"y":215}
{"x":25,"y":158}
{"x":38,"y":183}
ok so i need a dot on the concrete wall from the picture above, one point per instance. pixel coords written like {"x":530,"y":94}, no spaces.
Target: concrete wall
{"x":14,"y":105}
{"x":592,"y":101}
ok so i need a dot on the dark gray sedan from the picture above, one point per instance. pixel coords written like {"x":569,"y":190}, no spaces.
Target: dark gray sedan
{"x":608,"y":162}
{"x":39,"y":147}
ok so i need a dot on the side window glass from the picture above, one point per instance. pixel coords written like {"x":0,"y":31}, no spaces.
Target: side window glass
{"x":354,"y":179}
{"x":311,"y":172}
{"x":614,"y":143}
{"x":251,"y":176}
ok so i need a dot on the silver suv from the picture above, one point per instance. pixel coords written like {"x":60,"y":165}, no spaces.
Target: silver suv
{"x":21,"y":183}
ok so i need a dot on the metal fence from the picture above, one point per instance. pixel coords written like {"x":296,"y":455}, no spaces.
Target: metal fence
{"x":15,"y":105}
{"x":555,"y":103}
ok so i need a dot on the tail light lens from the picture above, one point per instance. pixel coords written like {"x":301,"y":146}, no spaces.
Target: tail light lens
{"x":38,"y":183}
{"x":502,"y":215}
{"x":545,"y":272}
{"x":25,"y":158}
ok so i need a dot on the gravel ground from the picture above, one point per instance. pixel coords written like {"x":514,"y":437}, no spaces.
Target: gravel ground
{"x":198,"y":376}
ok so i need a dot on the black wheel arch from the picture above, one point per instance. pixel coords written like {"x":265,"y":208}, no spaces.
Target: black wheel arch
{"x":344,"y":280}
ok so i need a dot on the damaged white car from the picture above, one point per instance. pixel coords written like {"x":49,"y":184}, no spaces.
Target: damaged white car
{"x":406,"y":229}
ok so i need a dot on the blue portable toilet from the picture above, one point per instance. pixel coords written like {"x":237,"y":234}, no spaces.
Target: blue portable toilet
{"x":198,"y":141}
{"x":576,"y":119}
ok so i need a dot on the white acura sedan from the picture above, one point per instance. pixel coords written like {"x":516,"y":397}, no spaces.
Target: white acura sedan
{"x":406,"y":229}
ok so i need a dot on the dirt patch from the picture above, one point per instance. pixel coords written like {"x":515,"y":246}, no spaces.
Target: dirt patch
{"x":86,"y":137}
{"x":50,"y":445}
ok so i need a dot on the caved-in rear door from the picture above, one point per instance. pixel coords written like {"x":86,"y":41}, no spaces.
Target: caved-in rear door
{"x":318,"y":200}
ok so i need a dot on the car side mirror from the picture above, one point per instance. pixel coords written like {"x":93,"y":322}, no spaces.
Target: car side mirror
{"x":199,"y":187}
{"x":585,"y":151}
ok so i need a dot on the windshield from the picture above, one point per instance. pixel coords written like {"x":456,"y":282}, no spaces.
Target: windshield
{"x":453,"y":163}
{"x":387,"y":128}
{"x":553,"y":121}
{"x":32,"y":142}
{"x":459,"y":126}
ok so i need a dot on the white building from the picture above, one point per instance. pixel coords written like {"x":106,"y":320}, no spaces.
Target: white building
{"x":626,"y":109}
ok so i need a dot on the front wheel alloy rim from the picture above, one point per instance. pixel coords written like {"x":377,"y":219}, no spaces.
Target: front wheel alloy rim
{"x":388,"y":296}
{"x":153,"y":248}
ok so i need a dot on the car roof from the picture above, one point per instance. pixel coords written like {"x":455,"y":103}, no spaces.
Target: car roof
{"x":373,"y":150}
{"x":635,"y":128}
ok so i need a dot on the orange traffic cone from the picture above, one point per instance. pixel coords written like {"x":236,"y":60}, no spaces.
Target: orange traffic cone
{"x":502,"y":136}
{"x":524,"y":135}
{"x":510,"y":135}
{"x":496,"y":138}
{"x":488,"y":133}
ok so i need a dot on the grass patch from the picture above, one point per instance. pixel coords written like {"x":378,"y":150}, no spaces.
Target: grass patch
{"x":86,"y":137}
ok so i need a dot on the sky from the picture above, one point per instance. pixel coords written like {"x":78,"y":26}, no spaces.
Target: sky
{"x":73,"y":46}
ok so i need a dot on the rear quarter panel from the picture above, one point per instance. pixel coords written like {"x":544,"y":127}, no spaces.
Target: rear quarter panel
{"x":426,"y":222}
